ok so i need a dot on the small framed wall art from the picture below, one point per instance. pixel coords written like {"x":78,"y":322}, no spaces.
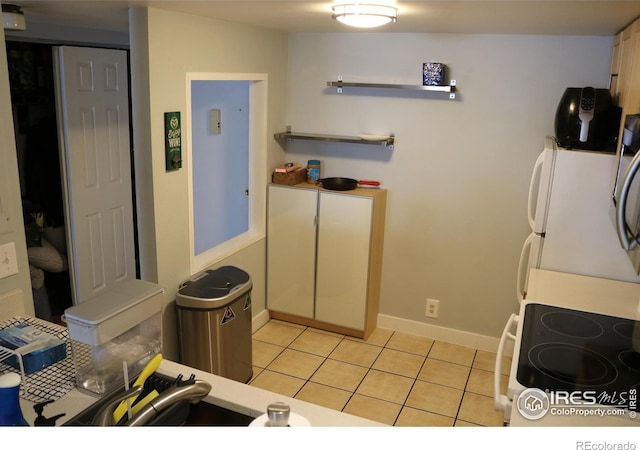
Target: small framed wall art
{"x":172,"y":140}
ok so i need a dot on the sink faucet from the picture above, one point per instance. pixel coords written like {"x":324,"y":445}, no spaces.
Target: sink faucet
{"x":192,"y":391}
{"x":104,"y":416}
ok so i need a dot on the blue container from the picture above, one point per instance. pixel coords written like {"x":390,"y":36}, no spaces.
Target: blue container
{"x":313,"y":170}
{"x":10,"y":412}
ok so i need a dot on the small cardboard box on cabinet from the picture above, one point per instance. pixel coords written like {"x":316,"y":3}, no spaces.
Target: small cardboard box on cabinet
{"x":291,"y":178}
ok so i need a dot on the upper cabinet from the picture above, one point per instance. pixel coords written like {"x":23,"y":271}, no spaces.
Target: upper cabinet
{"x":625,"y":71}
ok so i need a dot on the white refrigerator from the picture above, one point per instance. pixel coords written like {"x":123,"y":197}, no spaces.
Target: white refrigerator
{"x":571,"y":232}
{"x":569,"y":214}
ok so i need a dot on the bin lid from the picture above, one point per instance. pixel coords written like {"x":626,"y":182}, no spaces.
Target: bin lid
{"x":214,"y":288}
{"x":116,"y":300}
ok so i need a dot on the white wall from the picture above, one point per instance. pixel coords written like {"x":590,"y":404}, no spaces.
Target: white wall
{"x":459,"y":174}
{"x":165,"y":46}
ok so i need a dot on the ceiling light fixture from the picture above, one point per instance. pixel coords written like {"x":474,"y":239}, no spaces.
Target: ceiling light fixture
{"x":13,"y":18}
{"x":364,"y":15}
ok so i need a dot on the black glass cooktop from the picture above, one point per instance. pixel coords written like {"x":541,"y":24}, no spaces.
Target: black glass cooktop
{"x":568,"y":350}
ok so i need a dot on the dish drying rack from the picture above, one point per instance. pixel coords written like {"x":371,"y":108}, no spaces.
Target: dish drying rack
{"x":49,"y":383}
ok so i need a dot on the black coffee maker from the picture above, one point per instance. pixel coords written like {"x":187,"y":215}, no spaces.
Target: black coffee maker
{"x":587,"y":119}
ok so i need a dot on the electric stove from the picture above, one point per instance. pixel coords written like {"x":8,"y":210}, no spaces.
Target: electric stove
{"x":588,"y":354}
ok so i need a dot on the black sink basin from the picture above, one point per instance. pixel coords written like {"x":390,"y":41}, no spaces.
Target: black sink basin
{"x":180,"y":414}
{"x":206,"y":414}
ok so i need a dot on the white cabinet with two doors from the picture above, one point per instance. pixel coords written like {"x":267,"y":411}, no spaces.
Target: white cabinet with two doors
{"x":324,"y":256}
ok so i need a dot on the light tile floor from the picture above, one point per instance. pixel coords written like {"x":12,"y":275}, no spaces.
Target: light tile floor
{"x":392,"y":377}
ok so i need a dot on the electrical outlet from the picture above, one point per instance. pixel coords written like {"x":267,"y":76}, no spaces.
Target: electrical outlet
{"x":433,"y":308}
{"x":8,"y":261}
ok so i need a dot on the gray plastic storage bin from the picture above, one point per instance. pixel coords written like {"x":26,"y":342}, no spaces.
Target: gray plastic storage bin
{"x":214,"y":315}
{"x":121,"y":324}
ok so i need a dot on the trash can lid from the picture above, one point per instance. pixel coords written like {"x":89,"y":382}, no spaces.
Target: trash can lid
{"x":214,"y":288}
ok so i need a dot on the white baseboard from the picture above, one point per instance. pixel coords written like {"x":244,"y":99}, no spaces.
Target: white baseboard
{"x":259,"y":320}
{"x":450,"y":335}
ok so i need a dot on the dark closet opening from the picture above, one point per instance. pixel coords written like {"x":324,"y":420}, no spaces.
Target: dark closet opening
{"x":34,"y":114}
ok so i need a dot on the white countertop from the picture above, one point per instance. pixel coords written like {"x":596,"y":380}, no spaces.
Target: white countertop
{"x":598,"y":295}
{"x":226,"y":393}
{"x":253,"y":401}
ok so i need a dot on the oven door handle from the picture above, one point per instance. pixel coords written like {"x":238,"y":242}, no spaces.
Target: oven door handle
{"x":627,"y":238}
{"x":501,"y":401}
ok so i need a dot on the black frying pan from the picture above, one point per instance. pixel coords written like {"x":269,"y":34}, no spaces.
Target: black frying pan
{"x":339,"y":183}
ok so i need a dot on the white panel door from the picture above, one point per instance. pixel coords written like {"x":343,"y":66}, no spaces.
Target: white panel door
{"x":344,"y":234}
{"x":93,"y":109}
{"x":291,"y":247}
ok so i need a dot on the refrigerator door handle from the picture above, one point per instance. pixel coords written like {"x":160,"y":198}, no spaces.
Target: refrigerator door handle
{"x":627,"y":238}
{"x":523,"y":268}
{"x":534,"y":186}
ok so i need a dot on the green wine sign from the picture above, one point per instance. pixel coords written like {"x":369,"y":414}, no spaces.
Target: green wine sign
{"x":173,"y":140}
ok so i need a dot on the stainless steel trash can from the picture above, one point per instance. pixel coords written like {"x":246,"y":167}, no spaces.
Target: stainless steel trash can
{"x":214,"y":321}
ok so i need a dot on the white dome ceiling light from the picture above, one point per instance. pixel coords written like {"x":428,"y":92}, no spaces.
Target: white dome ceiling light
{"x":13,"y":18}
{"x":364,"y":15}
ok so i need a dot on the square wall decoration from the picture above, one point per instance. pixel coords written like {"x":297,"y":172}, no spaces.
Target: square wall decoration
{"x":173,"y":140}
